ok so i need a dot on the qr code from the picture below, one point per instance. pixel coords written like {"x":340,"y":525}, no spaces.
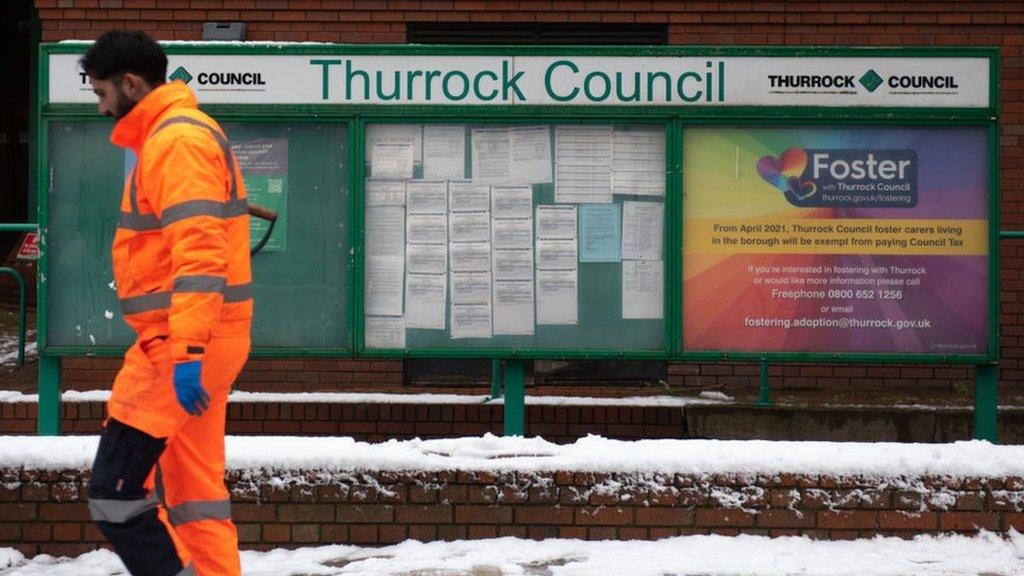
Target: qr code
{"x":275,"y":186}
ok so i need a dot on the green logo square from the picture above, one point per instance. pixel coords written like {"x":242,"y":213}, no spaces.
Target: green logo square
{"x":181,"y":74}
{"x":871,"y":80}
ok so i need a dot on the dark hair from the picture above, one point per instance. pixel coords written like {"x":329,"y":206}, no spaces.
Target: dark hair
{"x":120,"y":51}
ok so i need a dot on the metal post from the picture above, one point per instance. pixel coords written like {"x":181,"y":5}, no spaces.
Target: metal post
{"x":764,"y":395}
{"x":515,"y":398}
{"x":496,"y":391}
{"x":49,"y":396}
{"x":986,"y":402}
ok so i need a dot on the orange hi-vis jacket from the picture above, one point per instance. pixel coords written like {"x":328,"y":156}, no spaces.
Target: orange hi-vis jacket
{"x":181,"y":251}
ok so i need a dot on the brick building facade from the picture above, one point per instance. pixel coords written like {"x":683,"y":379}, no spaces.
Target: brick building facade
{"x":714,"y":23}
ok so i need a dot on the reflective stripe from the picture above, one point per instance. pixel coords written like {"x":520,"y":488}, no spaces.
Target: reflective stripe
{"x":199,"y":510}
{"x":162,"y":300}
{"x":119,"y":511}
{"x":199,"y":283}
{"x":189,"y":570}
{"x":221,"y":140}
{"x":133,"y":193}
{"x":146,"y":302}
{"x":138,"y":222}
{"x":238,"y":293}
{"x":203,"y":208}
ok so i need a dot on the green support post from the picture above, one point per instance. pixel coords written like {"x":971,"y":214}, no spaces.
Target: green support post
{"x":515,"y":398}
{"x":496,"y":384}
{"x":764,"y":394}
{"x":49,"y":395}
{"x":986,"y":402}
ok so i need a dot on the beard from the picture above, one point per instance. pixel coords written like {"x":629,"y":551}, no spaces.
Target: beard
{"x":122,"y":104}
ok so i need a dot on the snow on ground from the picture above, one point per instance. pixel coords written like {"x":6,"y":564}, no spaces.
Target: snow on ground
{"x":591,"y":454}
{"x":986,"y":554}
{"x":370,"y":398}
{"x":9,"y":348}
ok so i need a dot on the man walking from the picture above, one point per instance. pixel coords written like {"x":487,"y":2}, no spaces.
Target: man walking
{"x":181,"y":263}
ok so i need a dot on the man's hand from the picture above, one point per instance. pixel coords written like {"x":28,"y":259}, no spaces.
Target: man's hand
{"x":190,"y":392}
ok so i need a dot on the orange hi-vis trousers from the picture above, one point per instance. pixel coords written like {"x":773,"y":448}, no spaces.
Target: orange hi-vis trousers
{"x":157,"y":490}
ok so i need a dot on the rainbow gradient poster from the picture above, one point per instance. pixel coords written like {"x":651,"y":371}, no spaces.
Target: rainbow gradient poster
{"x":836,"y":240}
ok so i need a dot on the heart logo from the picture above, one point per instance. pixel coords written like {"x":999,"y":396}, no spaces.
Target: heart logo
{"x":784,"y":172}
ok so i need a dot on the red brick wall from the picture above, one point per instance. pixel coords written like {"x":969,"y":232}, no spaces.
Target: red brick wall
{"x":793,"y":23}
{"x":45,"y":511}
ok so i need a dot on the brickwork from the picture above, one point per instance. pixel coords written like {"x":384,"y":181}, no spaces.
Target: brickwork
{"x":45,"y":511}
{"x":715,"y":23}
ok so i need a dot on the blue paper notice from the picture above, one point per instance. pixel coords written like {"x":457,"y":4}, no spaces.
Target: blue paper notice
{"x":600,"y":232}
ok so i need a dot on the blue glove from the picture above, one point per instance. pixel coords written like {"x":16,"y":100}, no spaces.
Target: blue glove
{"x":190,"y":392}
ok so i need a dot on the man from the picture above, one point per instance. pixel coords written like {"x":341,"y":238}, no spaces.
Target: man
{"x":181,"y":263}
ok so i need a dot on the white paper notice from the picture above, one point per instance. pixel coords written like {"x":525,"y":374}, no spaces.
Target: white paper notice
{"x":638,"y":163}
{"x":643,"y":288}
{"x":444,"y":151}
{"x":512,"y":201}
{"x":471,"y":287}
{"x":556,"y":222}
{"x":426,"y":196}
{"x":512,"y":233}
{"x":471,"y":320}
{"x":556,"y":297}
{"x":467,"y":196}
{"x":409,"y":134}
{"x":643,"y":226}
{"x":583,"y":159}
{"x":385,"y":332}
{"x":385,"y":192}
{"x":470,"y":256}
{"x":513,"y":307}
{"x":425,"y":301}
{"x":384,"y":285}
{"x":426,"y":258}
{"x":556,"y":255}
{"x":391,"y":160}
{"x":490,"y":155}
{"x":427,"y":229}
{"x":385,"y":231}
{"x":469,"y":227}
{"x":513,"y":264}
{"x":530,"y":154}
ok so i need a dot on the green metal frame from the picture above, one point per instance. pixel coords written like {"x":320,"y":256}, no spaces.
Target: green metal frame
{"x":673,"y":118}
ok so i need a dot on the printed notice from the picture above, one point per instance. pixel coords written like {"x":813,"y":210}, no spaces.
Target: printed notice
{"x":557,"y":297}
{"x":556,"y":254}
{"x":556,"y":222}
{"x":471,"y":320}
{"x":513,"y":308}
{"x":467,"y":196}
{"x":427,"y":229}
{"x":471,"y":287}
{"x":642,"y":230}
{"x":391,"y":160}
{"x":444,"y":151}
{"x":583,"y":159}
{"x":600,"y":233}
{"x":426,"y":197}
{"x":385,"y":231}
{"x":384,"y":284}
{"x":385,"y":192}
{"x":643,"y":296}
{"x":638,"y":162}
{"x":530,"y":154}
{"x":470,"y":256}
{"x":264,"y":166}
{"x":425,"y":301}
{"x":403,"y":134}
{"x":490,"y":155}
{"x":469,"y":227}
{"x":385,"y":331}
{"x":512,"y":201}
{"x":516,"y":233}
{"x":513,"y":264}
{"x":427,"y":258}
